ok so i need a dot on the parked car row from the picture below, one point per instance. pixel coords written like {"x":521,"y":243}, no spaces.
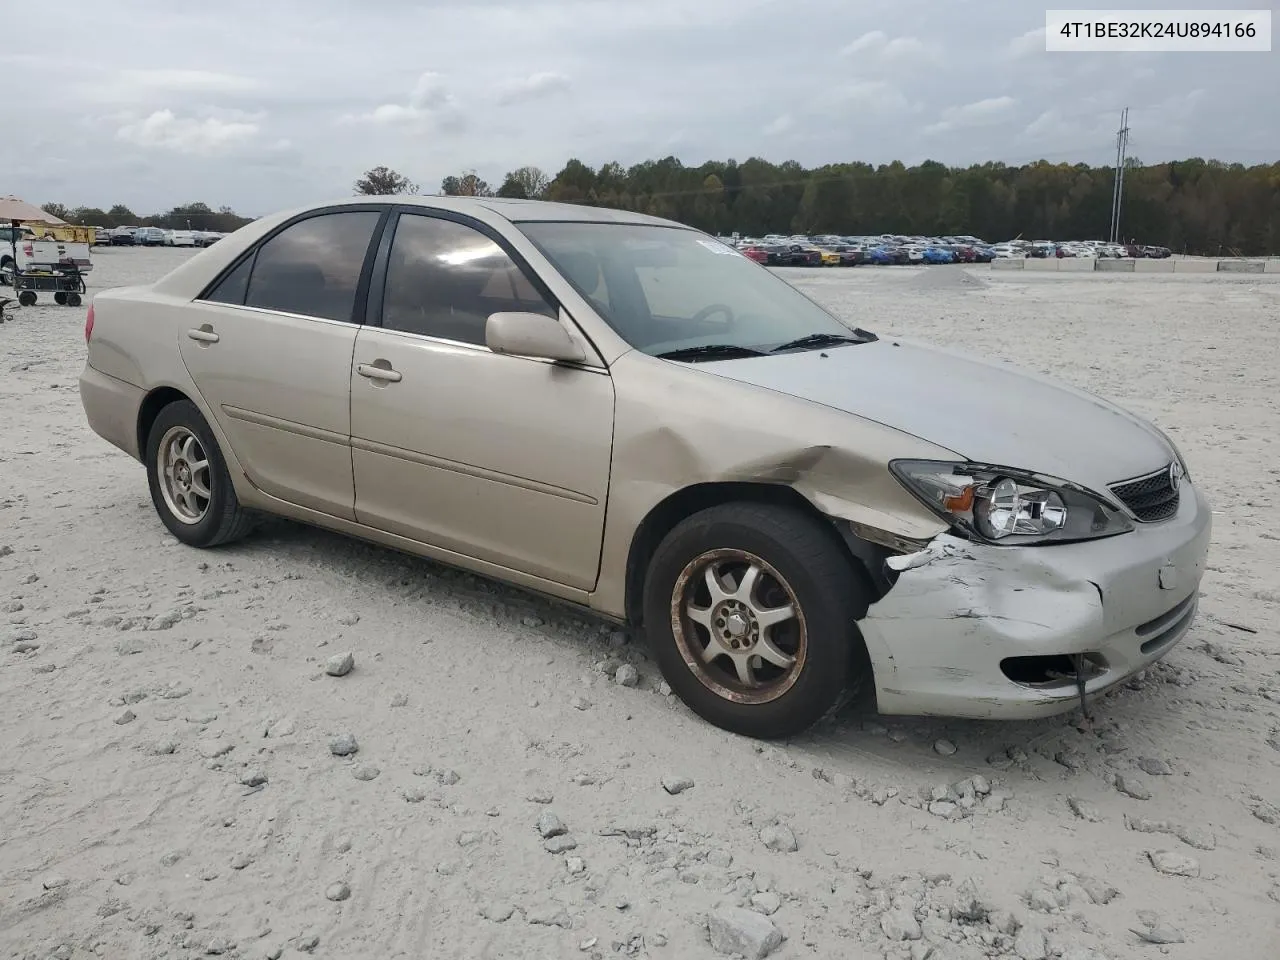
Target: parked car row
{"x":1095,"y":249}
{"x":840,"y":251}
{"x":155,"y":237}
{"x":827,"y":250}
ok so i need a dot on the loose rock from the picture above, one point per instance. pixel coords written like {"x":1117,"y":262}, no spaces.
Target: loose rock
{"x":1084,"y":809}
{"x":944,"y":747}
{"x":674,"y":785}
{"x":337,"y":892}
{"x":497,"y":911}
{"x":1154,"y":767}
{"x":166,"y":621}
{"x":340,"y":665}
{"x":779,"y":838}
{"x":549,"y":915}
{"x":560,"y":844}
{"x":626,"y":675}
{"x":1030,"y":944}
{"x":900,"y":925}
{"x":127,"y":717}
{"x":1159,"y":933}
{"x":1174,"y":864}
{"x":366,"y":772}
{"x":549,"y":825}
{"x":766,"y":902}
{"x":744,"y":933}
{"x":343,"y":745}
{"x":1133,"y":787}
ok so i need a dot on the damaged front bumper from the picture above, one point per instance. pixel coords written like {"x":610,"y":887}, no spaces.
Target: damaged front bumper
{"x":972,"y":630}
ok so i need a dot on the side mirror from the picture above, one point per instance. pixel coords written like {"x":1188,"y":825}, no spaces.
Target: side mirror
{"x":530,"y":335}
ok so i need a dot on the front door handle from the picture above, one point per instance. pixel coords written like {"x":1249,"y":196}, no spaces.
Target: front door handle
{"x":379,"y":370}
{"x":204,"y":334}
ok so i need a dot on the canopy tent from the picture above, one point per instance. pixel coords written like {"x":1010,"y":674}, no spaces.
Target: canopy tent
{"x":11,"y":208}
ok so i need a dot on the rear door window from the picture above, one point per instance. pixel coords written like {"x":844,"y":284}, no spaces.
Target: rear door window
{"x":313,"y":267}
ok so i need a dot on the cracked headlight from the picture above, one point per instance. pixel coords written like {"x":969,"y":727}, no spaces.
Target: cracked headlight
{"x":1009,"y":507}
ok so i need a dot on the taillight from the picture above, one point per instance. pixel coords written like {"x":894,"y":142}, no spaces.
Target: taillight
{"x":88,"y":324}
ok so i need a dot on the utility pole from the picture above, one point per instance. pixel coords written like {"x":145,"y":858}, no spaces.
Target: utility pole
{"x":1117,"y":190}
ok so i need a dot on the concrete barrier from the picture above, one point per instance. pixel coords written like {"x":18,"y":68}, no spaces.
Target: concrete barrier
{"x":1047,"y":265}
{"x":1115,"y":266}
{"x":1173,"y":265}
{"x":1076,"y":265}
{"x":1241,"y":266}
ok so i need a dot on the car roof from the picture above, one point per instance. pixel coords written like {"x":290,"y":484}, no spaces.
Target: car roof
{"x":191,"y":277}
{"x":517,"y":211}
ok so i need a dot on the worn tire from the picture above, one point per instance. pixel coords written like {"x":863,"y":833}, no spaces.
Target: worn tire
{"x":829,"y":592}
{"x":224,"y":521}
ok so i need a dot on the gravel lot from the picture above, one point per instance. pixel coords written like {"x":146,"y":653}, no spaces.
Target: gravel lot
{"x":169,"y":787}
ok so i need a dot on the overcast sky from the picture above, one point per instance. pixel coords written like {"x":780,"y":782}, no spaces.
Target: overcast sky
{"x":263,"y":104}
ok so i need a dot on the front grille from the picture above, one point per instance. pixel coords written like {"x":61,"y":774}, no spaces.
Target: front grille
{"x":1151,"y":498}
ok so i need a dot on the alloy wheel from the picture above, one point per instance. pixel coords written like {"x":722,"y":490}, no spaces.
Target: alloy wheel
{"x":738,"y":626}
{"x":183,"y":467}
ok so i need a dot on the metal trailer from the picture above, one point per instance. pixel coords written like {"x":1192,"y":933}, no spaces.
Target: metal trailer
{"x":63,"y":280}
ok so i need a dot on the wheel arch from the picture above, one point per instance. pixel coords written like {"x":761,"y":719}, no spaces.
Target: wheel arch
{"x":866,"y":559}
{"x":150,"y":408}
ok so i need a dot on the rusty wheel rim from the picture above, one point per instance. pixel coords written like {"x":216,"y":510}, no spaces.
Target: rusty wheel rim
{"x":739,"y":626}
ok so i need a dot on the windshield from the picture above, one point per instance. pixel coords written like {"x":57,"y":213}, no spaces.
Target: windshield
{"x":666,"y":289}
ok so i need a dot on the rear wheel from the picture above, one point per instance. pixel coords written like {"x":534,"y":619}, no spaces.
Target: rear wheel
{"x":750,"y":610}
{"x":60,"y":298}
{"x":190,"y":486}
{"x":27,"y":298}
{"x":73,"y":300}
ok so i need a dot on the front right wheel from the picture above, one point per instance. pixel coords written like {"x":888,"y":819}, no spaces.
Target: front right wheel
{"x":751,"y":612}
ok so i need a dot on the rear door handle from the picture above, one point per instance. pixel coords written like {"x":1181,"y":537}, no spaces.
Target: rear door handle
{"x":204,"y":334}
{"x":376,"y":371}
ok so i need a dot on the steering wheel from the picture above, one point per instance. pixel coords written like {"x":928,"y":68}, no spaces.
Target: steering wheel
{"x":713,"y":309}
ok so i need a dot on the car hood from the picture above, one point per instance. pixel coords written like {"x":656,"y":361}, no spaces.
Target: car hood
{"x":985,"y":411}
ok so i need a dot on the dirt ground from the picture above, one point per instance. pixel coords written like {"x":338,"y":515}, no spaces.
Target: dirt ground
{"x":168,"y":788}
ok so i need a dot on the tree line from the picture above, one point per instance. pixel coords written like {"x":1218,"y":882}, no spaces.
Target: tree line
{"x":188,"y":216}
{"x":1193,"y":206}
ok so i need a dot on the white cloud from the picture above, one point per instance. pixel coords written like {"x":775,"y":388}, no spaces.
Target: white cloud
{"x":430,"y":93}
{"x":977,"y":114}
{"x":779,"y":125}
{"x":1026,"y":44}
{"x":430,"y":103}
{"x":165,"y":129}
{"x":878,"y":44}
{"x":868,"y":41}
{"x":871,"y":96}
{"x":533,"y":87}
